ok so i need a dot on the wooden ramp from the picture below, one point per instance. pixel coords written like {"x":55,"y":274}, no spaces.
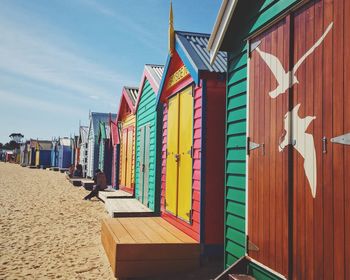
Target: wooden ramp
{"x":110,"y":194}
{"x":147,"y":246}
{"x":76,"y":181}
{"x":126,"y":207}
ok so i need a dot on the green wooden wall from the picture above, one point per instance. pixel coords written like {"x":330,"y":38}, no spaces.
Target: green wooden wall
{"x":248,"y":20}
{"x":147,"y":114}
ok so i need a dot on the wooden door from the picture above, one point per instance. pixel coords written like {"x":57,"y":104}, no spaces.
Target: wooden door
{"x":321,"y":214}
{"x":124,"y":157}
{"x":129,"y":158}
{"x":172,"y":155}
{"x":146,"y":165}
{"x":141,"y":162}
{"x":268,"y":176}
{"x":185,"y":154}
{"x":179,"y":155}
{"x":313,"y":160}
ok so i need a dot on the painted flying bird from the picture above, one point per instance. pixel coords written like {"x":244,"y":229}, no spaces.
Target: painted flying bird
{"x":303,"y":143}
{"x":287,"y":79}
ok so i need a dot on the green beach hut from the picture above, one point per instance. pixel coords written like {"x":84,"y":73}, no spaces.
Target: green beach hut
{"x":147,"y":115}
{"x":287,"y":137}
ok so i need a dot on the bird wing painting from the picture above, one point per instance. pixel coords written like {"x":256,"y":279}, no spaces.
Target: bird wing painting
{"x":286,"y":79}
{"x":303,"y":143}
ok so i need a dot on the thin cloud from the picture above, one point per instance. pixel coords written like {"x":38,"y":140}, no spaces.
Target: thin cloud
{"x":15,"y":100}
{"x":30,"y":56}
{"x":142,"y":34}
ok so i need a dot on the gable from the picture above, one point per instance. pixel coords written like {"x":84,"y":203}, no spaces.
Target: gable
{"x":175,"y":73}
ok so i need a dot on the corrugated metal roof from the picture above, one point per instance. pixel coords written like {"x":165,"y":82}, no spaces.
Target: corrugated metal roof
{"x":132,"y":92}
{"x":195,"y":44}
{"x":45,"y":145}
{"x":65,"y":141}
{"x":83,"y":134}
{"x":95,"y":118}
{"x":156,"y":71}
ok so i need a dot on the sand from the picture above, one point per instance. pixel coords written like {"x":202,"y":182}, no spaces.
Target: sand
{"x":46,"y":230}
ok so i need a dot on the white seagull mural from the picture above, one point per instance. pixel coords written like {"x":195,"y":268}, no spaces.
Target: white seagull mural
{"x":303,"y":142}
{"x":286,"y":79}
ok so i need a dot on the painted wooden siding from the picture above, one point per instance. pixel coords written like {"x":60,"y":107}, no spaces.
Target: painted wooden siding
{"x":147,"y":114}
{"x":191,"y":229}
{"x":236,"y":127}
{"x":128,"y":121}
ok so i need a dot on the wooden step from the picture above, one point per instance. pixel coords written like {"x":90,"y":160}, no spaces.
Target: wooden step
{"x":148,"y":246}
{"x":111,"y":194}
{"x":240,"y":277}
{"x":126,"y":207}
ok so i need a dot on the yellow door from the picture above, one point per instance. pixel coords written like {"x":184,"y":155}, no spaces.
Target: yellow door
{"x":129,"y":158}
{"x":172,"y":152}
{"x":185,"y":152}
{"x":123,"y":167}
{"x":179,"y":155}
{"x":37,"y":157}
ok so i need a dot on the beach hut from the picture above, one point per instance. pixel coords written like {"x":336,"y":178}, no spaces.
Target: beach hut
{"x":126,"y":126}
{"x":192,"y":92}
{"x":54,"y":153}
{"x":105,"y":150}
{"x":43,"y":153}
{"x":64,"y":152}
{"x":147,"y":180}
{"x":24,"y":154}
{"x":32,"y":152}
{"x":93,"y":147}
{"x":83,"y":147}
{"x":115,"y":153}
{"x":287,"y":153}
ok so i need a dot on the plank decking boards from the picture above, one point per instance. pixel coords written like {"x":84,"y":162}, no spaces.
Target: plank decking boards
{"x":129,"y":241}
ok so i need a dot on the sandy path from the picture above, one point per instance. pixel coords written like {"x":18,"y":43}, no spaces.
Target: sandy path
{"x":46,"y":230}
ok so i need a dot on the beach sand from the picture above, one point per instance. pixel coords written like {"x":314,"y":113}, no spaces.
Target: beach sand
{"x":46,"y":230}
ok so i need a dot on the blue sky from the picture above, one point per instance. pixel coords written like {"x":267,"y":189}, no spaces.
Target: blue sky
{"x":61,"y":58}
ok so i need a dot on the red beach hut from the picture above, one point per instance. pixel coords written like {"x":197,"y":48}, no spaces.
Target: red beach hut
{"x":192,"y":93}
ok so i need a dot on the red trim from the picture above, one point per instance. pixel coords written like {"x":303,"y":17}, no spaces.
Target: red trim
{"x":124,"y":104}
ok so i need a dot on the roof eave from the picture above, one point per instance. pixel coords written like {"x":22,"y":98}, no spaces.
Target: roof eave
{"x":222,"y":22}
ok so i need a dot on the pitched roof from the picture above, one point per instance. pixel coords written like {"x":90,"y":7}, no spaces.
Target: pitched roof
{"x":195,"y":46}
{"x":65,"y":141}
{"x":153,"y":73}
{"x":132,"y":93}
{"x":83,"y":134}
{"x":44,"y":145}
{"x":192,"y":50}
{"x":220,"y":27}
{"x":95,"y":118}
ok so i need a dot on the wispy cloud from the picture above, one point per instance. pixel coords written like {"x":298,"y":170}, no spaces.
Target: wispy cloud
{"x":25,"y":54}
{"x":127,"y":22}
{"x":12,"y":99}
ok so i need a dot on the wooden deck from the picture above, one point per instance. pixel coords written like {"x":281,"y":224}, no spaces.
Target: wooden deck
{"x":148,"y":246}
{"x":62,"y":170}
{"x":126,"y":207}
{"x":54,"y":169}
{"x":111,"y":194}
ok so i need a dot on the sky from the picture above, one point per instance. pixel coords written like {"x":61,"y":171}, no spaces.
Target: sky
{"x":59,"y":59}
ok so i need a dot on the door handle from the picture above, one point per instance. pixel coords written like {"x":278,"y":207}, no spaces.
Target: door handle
{"x":177,"y":157}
